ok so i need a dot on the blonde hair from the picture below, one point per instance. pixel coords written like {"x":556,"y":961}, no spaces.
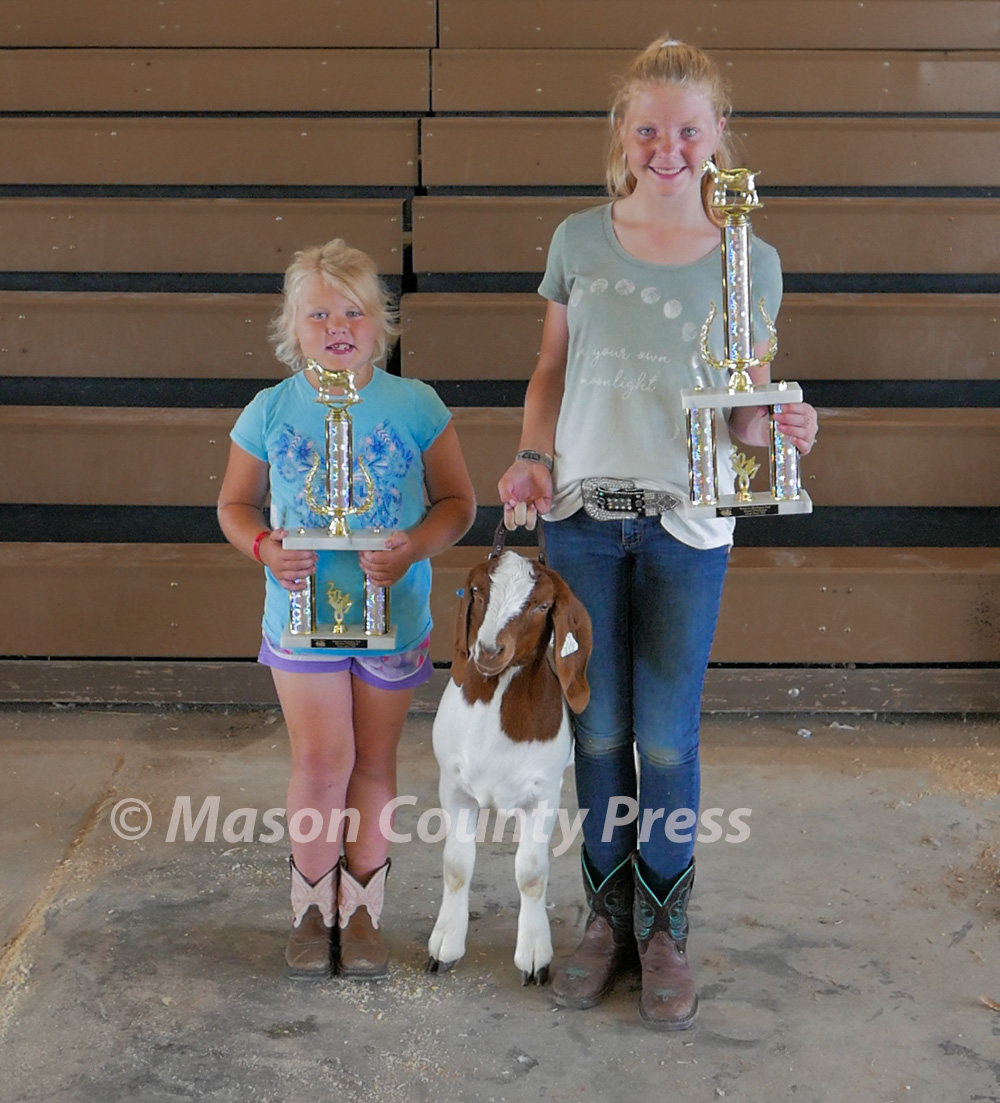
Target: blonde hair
{"x":351,"y":272}
{"x":665,"y":61}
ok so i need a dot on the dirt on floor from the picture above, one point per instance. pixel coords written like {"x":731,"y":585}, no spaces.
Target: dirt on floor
{"x":844,"y":927}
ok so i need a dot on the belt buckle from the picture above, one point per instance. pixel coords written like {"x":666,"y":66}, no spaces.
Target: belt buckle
{"x":613,"y":499}
{"x":621,"y":500}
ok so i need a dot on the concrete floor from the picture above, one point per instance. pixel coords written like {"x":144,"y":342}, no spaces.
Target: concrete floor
{"x":841,"y":950}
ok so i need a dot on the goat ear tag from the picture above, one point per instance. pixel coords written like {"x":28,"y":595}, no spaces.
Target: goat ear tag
{"x":569,"y":646}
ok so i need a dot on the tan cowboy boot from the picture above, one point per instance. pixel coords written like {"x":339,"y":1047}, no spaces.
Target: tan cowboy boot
{"x":608,"y":944}
{"x":669,"y":1000}
{"x":308,"y":955}
{"x":363,"y":955}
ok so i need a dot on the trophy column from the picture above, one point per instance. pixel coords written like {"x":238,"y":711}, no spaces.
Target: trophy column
{"x":374,"y":630}
{"x":734,"y":196}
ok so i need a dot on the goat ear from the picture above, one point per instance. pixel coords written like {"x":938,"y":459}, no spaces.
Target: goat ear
{"x":460,"y":654}
{"x":572,"y":625}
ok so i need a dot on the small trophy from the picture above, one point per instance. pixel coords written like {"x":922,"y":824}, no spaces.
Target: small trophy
{"x":734,"y":196}
{"x":338,"y":393}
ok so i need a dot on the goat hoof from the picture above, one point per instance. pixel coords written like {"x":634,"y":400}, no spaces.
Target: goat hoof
{"x":540,"y":977}
{"x":435,"y":966}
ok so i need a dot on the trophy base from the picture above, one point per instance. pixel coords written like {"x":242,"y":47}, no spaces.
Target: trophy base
{"x":763,"y":394}
{"x":322,"y":540}
{"x":354,"y":639}
{"x":761,"y":505}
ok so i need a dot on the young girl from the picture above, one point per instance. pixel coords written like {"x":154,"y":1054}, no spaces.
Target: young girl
{"x":629,"y":285}
{"x":345,"y":714}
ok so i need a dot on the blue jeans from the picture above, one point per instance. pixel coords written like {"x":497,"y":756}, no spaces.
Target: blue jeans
{"x":654,"y":603}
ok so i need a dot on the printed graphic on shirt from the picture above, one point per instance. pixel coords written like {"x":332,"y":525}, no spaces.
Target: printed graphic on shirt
{"x":385,"y":454}
{"x":624,"y":371}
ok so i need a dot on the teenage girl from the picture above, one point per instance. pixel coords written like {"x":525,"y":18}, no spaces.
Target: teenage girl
{"x":629,"y":285}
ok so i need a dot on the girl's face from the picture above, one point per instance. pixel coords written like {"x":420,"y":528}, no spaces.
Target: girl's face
{"x":668,"y":132}
{"x":333,"y":329}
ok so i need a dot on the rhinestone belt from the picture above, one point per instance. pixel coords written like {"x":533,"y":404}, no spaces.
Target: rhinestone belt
{"x":622,"y":500}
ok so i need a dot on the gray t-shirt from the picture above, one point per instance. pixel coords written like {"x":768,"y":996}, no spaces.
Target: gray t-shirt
{"x":634,"y":332}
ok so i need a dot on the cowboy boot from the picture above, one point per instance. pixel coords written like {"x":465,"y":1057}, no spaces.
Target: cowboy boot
{"x":608,"y":944}
{"x":363,"y":954}
{"x":669,"y":1000}
{"x":308,"y":955}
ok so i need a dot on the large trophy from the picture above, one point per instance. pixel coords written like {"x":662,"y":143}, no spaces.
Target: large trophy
{"x":372,"y":629}
{"x":734,"y":195}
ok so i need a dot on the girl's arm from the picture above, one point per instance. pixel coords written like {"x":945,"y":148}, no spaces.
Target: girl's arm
{"x":751,"y":424}
{"x":451,"y":513}
{"x":526,"y":486}
{"x":240,"y":510}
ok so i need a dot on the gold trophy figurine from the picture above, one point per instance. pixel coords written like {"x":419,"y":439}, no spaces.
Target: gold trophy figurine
{"x":340,"y":603}
{"x":745,"y":470}
{"x":733,"y":197}
{"x":338,"y":393}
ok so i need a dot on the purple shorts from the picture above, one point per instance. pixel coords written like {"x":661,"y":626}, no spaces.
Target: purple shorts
{"x":400,"y":670}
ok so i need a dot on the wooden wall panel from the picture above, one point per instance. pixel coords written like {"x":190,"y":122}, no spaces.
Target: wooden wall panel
{"x":918,"y":605}
{"x":874,"y":152}
{"x":904,"y":96}
{"x":305,"y":151}
{"x":204,"y":601}
{"x":835,"y":336}
{"x":890,"y":457}
{"x":867,"y":457}
{"x":489,"y":440}
{"x":470,"y":336}
{"x":486,"y":234}
{"x":888,"y":337}
{"x":850,"y":605}
{"x":794,"y":152}
{"x":761,"y":80}
{"x":746,"y":24}
{"x":77,"y":455}
{"x":511,"y":234}
{"x":94,"y":456}
{"x":505,"y":152}
{"x":214,"y":80}
{"x":124,"y":23}
{"x":137,"y":335}
{"x":882,"y":235}
{"x":181,"y":601}
{"x":190,"y":235}
{"x":481,"y":336}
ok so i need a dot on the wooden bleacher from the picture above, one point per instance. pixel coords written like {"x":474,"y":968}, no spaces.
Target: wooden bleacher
{"x":151,"y":197}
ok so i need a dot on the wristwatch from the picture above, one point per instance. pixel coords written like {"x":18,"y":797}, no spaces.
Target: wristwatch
{"x":535,"y":457}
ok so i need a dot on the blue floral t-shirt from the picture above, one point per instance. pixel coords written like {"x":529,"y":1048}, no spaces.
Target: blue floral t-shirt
{"x":395,"y":422}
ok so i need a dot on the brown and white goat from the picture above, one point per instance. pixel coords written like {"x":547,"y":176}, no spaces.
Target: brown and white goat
{"x":502,"y":738}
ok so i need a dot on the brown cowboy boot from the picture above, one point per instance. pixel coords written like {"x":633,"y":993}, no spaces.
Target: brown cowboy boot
{"x":608,"y":944}
{"x":363,"y":955}
{"x":308,"y":955}
{"x":669,"y":1000}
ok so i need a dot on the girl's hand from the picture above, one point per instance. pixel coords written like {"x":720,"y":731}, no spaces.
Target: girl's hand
{"x":387,"y":565}
{"x":799,"y":422}
{"x":525,"y":491}
{"x":291,"y":567}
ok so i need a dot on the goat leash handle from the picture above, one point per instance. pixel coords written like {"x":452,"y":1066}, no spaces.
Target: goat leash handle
{"x":500,"y":541}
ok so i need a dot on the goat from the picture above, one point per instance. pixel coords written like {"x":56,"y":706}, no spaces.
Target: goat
{"x":502,"y":739}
